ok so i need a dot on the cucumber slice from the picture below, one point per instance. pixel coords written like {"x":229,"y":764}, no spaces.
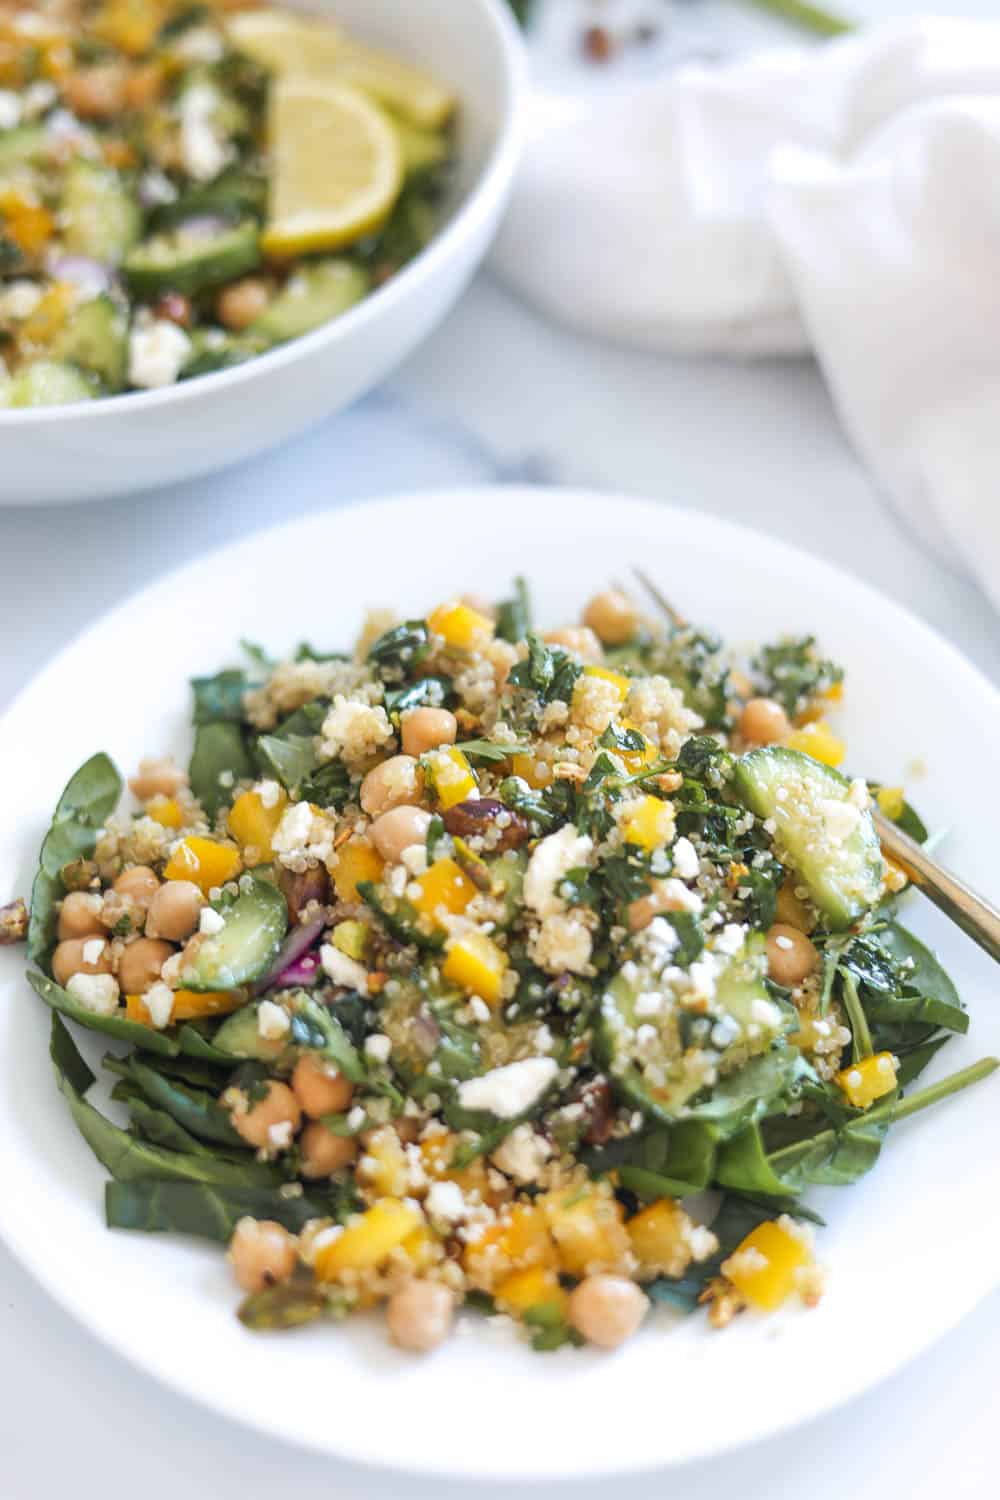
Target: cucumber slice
{"x":47,"y":383}
{"x":240,"y":1037}
{"x":102,"y":219}
{"x":419,"y":149}
{"x":313,"y":295}
{"x":240,"y":953}
{"x":830,"y":844}
{"x":96,"y":338}
{"x":660,"y":1069}
{"x":235,"y":195}
{"x":179,"y":261}
{"x":212,"y":350}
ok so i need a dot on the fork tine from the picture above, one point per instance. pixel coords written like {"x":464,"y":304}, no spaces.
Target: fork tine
{"x":674,"y":616}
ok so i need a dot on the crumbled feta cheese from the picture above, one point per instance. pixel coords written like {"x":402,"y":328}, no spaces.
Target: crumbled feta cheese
{"x":97,"y":993}
{"x":648,"y":1003}
{"x":478,"y":1009}
{"x":93,"y":950}
{"x":37,"y":98}
{"x":356,"y":1117}
{"x":511,"y":1090}
{"x":765,"y":1013}
{"x":198,"y":44}
{"x":562,"y":944}
{"x":343,"y":970}
{"x":273,"y":1021}
{"x":554,"y":857}
{"x":155,"y":187}
{"x":20,"y":299}
{"x":415,"y":860}
{"x":679,"y":897}
{"x":378,"y":1047}
{"x":269,"y":793}
{"x":203,"y":151}
{"x":523,"y":1154}
{"x":280,"y":1135}
{"x":445,"y":1201}
{"x":686,"y":862}
{"x":159,"y":1001}
{"x":730,"y":939}
{"x":10,"y":109}
{"x":156,"y":351}
{"x":210,"y":921}
{"x":858,"y":793}
{"x":304,"y":837}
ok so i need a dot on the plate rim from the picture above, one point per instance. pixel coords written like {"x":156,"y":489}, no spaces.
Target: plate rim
{"x":660,"y":513}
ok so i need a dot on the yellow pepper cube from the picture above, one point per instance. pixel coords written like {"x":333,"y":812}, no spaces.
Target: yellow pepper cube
{"x":536,"y":1286}
{"x":369,"y":1240}
{"x":588,"y":1229}
{"x":764,"y":1267}
{"x":864,"y":1082}
{"x":384,"y":1168}
{"x":659,"y":1238}
{"x":451,"y":777}
{"x":536,"y":772}
{"x":189,"y":1005}
{"x":355,"y":863}
{"x":165,"y":811}
{"x":205,"y":861}
{"x":819,"y":741}
{"x":130,"y":25}
{"x":649,"y":824}
{"x":253,"y":823}
{"x":436,"y":1155}
{"x":444,"y":885}
{"x":519,"y":1238}
{"x":461,"y":626}
{"x":422,"y":1248}
{"x":620,"y":681}
{"x":476,"y":964}
{"x":890,"y":800}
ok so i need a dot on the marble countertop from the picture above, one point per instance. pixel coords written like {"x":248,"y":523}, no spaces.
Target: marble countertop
{"x":499,"y":395}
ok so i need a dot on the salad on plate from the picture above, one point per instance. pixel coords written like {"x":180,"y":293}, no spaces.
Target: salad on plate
{"x":185,"y":186}
{"x":539,"y":972}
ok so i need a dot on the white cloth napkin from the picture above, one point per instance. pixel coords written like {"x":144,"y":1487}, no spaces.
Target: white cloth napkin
{"x":844,"y":199}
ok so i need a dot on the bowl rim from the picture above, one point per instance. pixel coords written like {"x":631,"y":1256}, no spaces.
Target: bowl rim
{"x":490,"y":185}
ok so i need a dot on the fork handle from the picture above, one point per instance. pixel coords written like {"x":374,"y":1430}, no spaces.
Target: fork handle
{"x":976,"y":916}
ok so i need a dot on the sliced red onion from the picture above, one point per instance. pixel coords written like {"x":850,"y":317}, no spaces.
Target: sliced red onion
{"x":80,"y":271}
{"x":297,"y":943}
{"x":303,"y":972}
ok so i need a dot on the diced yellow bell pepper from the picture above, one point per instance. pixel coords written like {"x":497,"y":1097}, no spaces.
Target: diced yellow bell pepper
{"x":649,"y":824}
{"x":476,"y":964}
{"x":865,"y":1081}
{"x":532,"y":769}
{"x":620,"y":681}
{"x":30,"y":225}
{"x":253,"y":825}
{"x":451,"y":777}
{"x":355,"y":863}
{"x":819,"y":741}
{"x":437,"y":1153}
{"x":421,"y":1247}
{"x":520,"y":1237}
{"x":763,"y":1267}
{"x":461,"y":626}
{"x":658,"y":1238}
{"x":444,"y":884}
{"x":189,"y":1005}
{"x":536,"y":1286}
{"x":369,"y":1240}
{"x":205,"y":861}
{"x":587,"y":1226}
{"x":384,"y":1168}
{"x":634,"y":760}
{"x":890,"y":800}
{"x":130,"y":25}
{"x":165,"y":811}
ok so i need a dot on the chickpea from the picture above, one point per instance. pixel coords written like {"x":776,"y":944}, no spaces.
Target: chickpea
{"x":607,"y":1310}
{"x":399,"y":829}
{"x":144,"y":85}
{"x":643,"y":909}
{"x":426,"y":728}
{"x":80,"y":915}
{"x":319,"y":1088}
{"x":279,"y":1107}
{"x":140,"y":964}
{"x":612,"y":617}
{"x":580,"y":641}
{"x":791,"y":957}
{"x":157,"y":776}
{"x":763,"y":722}
{"x":138,"y":883}
{"x":80,"y":956}
{"x":174,"y":307}
{"x":792,"y":911}
{"x":323,"y":1152}
{"x":174,"y":910}
{"x":96,"y":93}
{"x":395,"y":782}
{"x":261,"y":1253}
{"x":419,"y":1315}
{"x":242,"y":303}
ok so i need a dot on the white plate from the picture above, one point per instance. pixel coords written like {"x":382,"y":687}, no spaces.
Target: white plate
{"x":911,"y":1249}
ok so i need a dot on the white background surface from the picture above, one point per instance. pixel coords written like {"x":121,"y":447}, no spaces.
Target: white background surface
{"x":495,"y":394}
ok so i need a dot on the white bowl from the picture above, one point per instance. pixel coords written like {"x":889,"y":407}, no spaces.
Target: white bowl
{"x":97,"y":449}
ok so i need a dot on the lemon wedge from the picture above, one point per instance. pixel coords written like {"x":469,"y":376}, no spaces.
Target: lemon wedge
{"x":285,"y":42}
{"x":409,"y":91}
{"x":336,"y":167}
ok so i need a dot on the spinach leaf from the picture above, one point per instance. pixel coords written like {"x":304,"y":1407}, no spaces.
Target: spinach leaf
{"x":743,"y":1165}
{"x":210,"y":1212}
{"x":684,"y":1153}
{"x":549,"y":671}
{"x":514,"y":615}
{"x":219,"y":752}
{"x":736,"y":1218}
{"x":694,"y":662}
{"x":196,"y":1109}
{"x":651,"y":1186}
{"x":398,"y":919}
{"x":752,"y":1091}
{"x":117,"y":1026}
{"x":430,"y":691}
{"x":315,"y":1027}
{"x":219,"y":699}
{"x":258,"y":655}
{"x":155,"y":1125}
{"x":66,"y":1059}
{"x":88,"y":800}
{"x":793,"y":672}
{"x":928,"y":994}
{"x":193,"y":1042}
{"x":402,"y":647}
{"x":487,"y":750}
{"x":290,"y":758}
